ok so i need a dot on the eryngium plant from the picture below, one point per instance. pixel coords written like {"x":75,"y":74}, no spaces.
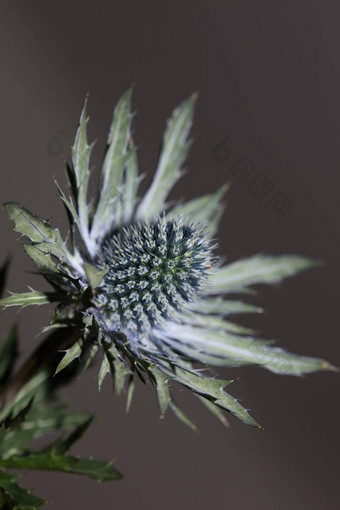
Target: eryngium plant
{"x":139,"y":282}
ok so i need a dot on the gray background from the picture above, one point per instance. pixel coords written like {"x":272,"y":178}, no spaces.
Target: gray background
{"x":268,"y":73}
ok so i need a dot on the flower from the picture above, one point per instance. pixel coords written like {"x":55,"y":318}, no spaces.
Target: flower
{"x":140,"y":281}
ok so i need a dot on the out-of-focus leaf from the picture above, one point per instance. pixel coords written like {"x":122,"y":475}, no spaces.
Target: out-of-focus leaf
{"x":212,"y":322}
{"x":8,"y":354}
{"x":63,"y":444}
{"x":34,"y":421}
{"x":3,"y":275}
{"x":204,"y":210}
{"x":100,"y":471}
{"x":182,"y":416}
{"x":216,"y":411}
{"x":21,"y":499}
{"x":219,"y":306}
{"x":174,"y":151}
{"x":130,"y":391}
{"x":29,"y":298}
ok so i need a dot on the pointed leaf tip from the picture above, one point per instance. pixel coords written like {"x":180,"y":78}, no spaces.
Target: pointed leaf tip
{"x":174,"y":151}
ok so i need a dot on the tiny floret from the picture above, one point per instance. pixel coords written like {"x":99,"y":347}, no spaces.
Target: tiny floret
{"x":153,"y":270}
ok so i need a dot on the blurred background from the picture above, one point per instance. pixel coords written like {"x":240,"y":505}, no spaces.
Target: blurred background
{"x":268,"y":120}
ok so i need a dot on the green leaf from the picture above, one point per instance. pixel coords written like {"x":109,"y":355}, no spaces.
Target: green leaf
{"x":21,"y":498}
{"x":63,"y":444}
{"x":205,"y":210}
{"x":36,"y":229}
{"x":216,"y":411}
{"x":43,"y":260}
{"x":212,"y":389}
{"x":225,"y":349}
{"x":118,"y":367}
{"x":129,"y":395}
{"x":103,"y":371}
{"x":182,"y":416}
{"x":100,"y":471}
{"x":212,"y":322}
{"x":219,"y":306}
{"x":113,"y":166}
{"x":8,"y":354}
{"x":162,"y":387}
{"x":70,"y":354}
{"x":173,"y":154}
{"x":32,"y":422}
{"x":81,"y":153}
{"x":94,"y":275}
{"x":72,"y":213}
{"x":129,"y":187}
{"x":30,"y":298}
{"x":257,"y":269}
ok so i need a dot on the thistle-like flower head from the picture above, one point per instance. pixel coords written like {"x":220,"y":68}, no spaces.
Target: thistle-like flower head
{"x":139,"y":279}
{"x":153,"y":270}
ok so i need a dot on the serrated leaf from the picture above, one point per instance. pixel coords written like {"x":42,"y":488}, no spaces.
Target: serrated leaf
{"x":81,"y":153}
{"x":162,"y":388}
{"x":100,"y":471}
{"x":225,"y":349}
{"x":71,"y":354}
{"x":8,"y":354}
{"x":205,"y":210}
{"x":30,"y":298}
{"x":70,"y":209}
{"x":262,"y":269}
{"x":43,"y":260}
{"x":212,"y":389}
{"x":174,"y":151}
{"x":114,"y":162}
{"x":219,"y":306}
{"x":33,"y":227}
{"x":118,"y":367}
{"x":22,"y":499}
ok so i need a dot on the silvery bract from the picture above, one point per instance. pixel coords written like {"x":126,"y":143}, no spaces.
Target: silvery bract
{"x":139,"y":280}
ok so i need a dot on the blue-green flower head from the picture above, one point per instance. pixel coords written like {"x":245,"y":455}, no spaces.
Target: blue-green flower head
{"x":139,"y":281}
{"x":153,"y":270}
